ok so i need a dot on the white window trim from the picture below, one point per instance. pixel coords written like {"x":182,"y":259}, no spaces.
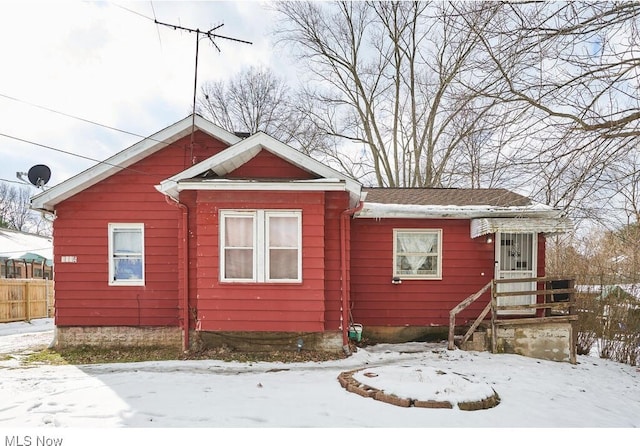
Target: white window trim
{"x":124,"y":282}
{"x":261,"y":265}
{"x":223,"y":223}
{"x":267,"y":245}
{"x":438,"y":275}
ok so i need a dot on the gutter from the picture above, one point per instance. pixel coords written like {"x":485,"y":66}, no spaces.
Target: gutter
{"x":345,"y":281}
{"x":183,"y":289}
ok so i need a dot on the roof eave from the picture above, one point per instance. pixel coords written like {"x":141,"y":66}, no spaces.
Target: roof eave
{"x":173,"y":189}
{"x":49,"y":199}
{"x":236,"y":155}
{"x":377,"y":210}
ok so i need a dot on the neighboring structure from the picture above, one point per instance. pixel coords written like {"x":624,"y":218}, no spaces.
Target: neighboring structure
{"x":25,"y":256}
{"x":205,"y":237}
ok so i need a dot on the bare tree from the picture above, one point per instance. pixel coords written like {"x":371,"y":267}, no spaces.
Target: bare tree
{"x":575,"y":61}
{"x":573,"y":68}
{"x":387,"y":77}
{"x":15,"y":212}
{"x":256,"y":100}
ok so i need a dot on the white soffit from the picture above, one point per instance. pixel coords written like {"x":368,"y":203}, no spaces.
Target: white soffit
{"x":482,"y":226}
{"x":242,"y":152}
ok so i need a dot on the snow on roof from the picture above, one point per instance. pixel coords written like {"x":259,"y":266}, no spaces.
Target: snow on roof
{"x":380,"y":210}
{"x":16,"y":245}
{"x":451,"y":203}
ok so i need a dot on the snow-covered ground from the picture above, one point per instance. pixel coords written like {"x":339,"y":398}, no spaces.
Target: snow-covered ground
{"x":594,"y":393}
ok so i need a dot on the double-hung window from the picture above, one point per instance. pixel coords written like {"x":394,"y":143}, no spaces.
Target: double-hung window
{"x":417,"y":253}
{"x":261,"y":246}
{"x":126,"y":254}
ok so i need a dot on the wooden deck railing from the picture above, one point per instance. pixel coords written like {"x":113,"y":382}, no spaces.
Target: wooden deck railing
{"x":25,"y":299}
{"x":558,"y":304}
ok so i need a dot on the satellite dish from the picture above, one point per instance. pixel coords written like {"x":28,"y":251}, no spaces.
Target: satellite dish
{"x":39,"y":175}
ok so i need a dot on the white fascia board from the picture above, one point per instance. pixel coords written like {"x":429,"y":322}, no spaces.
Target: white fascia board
{"x":378,"y":210}
{"x":325,"y":184}
{"x":235,"y":156}
{"x":127,"y":157}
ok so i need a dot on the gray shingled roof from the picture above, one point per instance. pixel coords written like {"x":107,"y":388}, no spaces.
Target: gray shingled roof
{"x":444,"y":197}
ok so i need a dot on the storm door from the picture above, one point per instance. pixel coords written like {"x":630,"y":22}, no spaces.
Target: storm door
{"x":516,"y":259}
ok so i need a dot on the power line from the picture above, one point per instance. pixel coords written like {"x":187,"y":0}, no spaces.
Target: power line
{"x":72,"y":154}
{"x":42,"y":107}
{"x":155,"y":20}
{"x":133,"y":12}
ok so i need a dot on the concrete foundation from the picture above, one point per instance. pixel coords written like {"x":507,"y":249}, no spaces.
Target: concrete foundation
{"x":106,"y":337}
{"x":66,"y":337}
{"x":551,"y":341}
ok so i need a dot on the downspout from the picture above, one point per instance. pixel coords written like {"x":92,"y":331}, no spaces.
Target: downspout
{"x":183,"y":289}
{"x":346,"y":279}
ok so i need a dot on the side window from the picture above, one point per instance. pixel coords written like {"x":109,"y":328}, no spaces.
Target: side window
{"x":417,"y":253}
{"x":126,"y":254}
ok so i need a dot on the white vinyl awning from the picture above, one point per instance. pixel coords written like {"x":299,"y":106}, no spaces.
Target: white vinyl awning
{"x":482,"y":226}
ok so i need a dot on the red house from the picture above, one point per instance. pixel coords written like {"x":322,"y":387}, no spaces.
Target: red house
{"x":196,"y":235}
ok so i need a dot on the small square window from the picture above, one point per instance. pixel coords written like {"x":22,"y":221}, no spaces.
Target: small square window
{"x":417,"y":253}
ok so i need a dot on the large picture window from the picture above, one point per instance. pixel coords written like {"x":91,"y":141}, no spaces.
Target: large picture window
{"x":417,"y":253}
{"x":261,"y":246}
{"x":126,"y":254}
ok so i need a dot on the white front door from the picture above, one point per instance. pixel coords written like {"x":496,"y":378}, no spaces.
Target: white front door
{"x":516,"y":258}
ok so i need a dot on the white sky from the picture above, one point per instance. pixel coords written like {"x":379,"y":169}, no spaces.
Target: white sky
{"x":94,"y":402}
{"x":114,"y":66}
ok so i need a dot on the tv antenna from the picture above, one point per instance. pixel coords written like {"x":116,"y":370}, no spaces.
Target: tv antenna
{"x":200,"y":35}
{"x":39,"y":175}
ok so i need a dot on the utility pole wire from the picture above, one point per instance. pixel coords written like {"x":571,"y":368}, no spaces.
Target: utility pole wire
{"x":157,"y":27}
{"x":72,"y":154}
{"x":42,"y":107}
{"x":211,"y":36}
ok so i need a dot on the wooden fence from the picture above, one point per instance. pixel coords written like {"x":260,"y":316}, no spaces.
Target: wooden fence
{"x":25,"y":299}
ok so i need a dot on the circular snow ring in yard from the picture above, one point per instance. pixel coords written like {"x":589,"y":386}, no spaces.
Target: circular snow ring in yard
{"x":420,"y":386}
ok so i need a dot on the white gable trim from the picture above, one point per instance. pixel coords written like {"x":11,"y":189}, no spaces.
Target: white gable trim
{"x":242,"y":152}
{"x":293,"y":185}
{"x":49,"y":199}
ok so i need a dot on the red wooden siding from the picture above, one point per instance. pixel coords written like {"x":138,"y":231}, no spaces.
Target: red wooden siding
{"x":83,"y":296}
{"x":467,"y":265}
{"x":267,"y":165}
{"x":257,"y":306}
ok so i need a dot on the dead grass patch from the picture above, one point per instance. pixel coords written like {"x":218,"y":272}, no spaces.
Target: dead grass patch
{"x":97,"y":355}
